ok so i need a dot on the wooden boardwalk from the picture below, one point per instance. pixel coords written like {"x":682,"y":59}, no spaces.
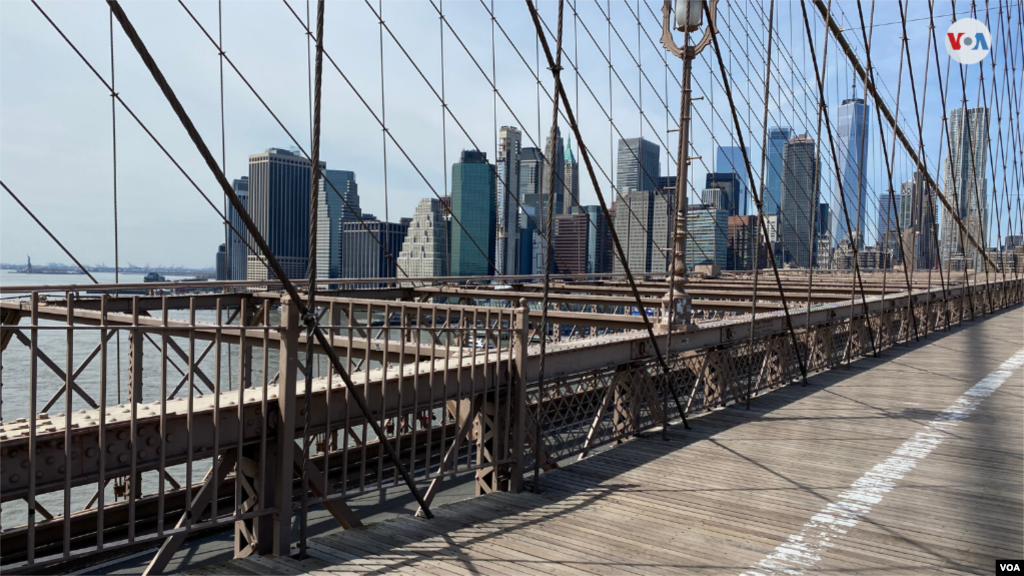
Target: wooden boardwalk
{"x":910,"y":463}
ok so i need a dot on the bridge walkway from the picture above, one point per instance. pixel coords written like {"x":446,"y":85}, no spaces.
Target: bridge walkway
{"x":912,"y":463}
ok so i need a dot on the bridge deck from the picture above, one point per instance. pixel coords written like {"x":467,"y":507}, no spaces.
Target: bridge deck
{"x":903,"y":464}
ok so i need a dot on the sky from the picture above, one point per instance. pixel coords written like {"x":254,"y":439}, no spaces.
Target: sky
{"x":56,"y":133}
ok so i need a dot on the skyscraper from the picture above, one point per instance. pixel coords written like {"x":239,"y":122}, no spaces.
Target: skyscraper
{"x":279,"y":206}
{"x":918,"y":207}
{"x":599,"y":242}
{"x":221,"y":263}
{"x":570,"y":243}
{"x":365,"y":243}
{"x":823,"y":236}
{"x":639,"y":165}
{"x":237,"y":252}
{"x":707,"y":239}
{"x":742,"y":234}
{"x":555,"y":154}
{"x":823,"y":221}
{"x":964,"y":184}
{"x":642,"y":222}
{"x":717,"y":197}
{"x":854,"y":129}
{"x":572,"y":180}
{"x":730,"y":159}
{"x":777,"y":139}
{"x":424,"y":249}
{"x":527,"y":230}
{"x":531,"y":178}
{"x":474,"y":215}
{"x":799,"y":200}
{"x":888,"y":209}
{"x":336,"y":188}
{"x":735,"y":190}
{"x":507,"y":200}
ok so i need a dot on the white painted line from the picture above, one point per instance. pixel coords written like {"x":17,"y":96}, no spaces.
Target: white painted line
{"x":802,"y":551}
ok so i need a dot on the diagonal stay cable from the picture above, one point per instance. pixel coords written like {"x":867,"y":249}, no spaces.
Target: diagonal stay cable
{"x":753,"y":185}
{"x":48,"y":233}
{"x":852,"y":57}
{"x":270,"y":111}
{"x":614,"y":127}
{"x":490,"y":81}
{"x":556,"y":72}
{"x":394,"y":141}
{"x":584,"y":151}
{"x":919,"y":116}
{"x":888,"y":166}
{"x":142,"y":125}
{"x":289,"y":287}
{"x":859,"y":278}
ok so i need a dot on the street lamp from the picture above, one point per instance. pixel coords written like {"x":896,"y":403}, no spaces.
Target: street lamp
{"x":689,"y":15}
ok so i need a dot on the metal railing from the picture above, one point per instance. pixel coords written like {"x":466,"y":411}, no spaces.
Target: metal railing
{"x":183,"y":414}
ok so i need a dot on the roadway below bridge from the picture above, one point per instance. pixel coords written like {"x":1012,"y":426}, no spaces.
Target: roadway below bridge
{"x":912,"y":462}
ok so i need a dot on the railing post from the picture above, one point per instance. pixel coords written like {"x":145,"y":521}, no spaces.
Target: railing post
{"x":287,"y":419}
{"x":245,"y":317}
{"x":135,"y":342}
{"x":520,"y":351}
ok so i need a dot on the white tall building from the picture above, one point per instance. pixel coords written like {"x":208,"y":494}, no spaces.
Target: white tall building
{"x":424,"y":251}
{"x":332,"y":214}
{"x":507,"y":246}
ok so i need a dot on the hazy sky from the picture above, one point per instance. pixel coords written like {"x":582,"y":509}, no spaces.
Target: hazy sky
{"x":55,"y":116}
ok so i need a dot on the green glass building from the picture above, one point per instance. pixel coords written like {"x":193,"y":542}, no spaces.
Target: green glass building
{"x":473,"y":206}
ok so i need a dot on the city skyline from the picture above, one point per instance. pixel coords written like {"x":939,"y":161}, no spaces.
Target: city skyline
{"x":177,"y":208}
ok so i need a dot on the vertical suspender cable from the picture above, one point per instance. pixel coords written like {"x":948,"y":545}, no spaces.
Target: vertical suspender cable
{"x":257,"y":237}
{"x":750,"y":174}
{"x":759,"y":200}
{"x":117,"y":261}
{"x":310,"y":316}
{"x":585,"y":153}
{"x":556,"y":70}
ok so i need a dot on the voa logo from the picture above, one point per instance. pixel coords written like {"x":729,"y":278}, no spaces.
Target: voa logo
{"x":968,"y":41}
{"x":1004,"y":567}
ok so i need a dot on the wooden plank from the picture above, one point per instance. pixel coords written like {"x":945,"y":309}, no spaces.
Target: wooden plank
{"x":722,"y":496}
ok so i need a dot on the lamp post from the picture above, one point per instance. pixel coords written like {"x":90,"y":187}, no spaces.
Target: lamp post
{"x":688,"y":18}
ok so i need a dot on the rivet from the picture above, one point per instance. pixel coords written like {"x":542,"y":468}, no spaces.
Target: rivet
{"x":170,"y":437}
{"x":110,"y":448}
{"x":90,"y":452}
{"x":15,"y":478}
{"x":152,"y":440}
{"x":122,"y":458}
{"x":142,"y":454}
{"x":39,"y":474}
{"x":61,"y":469}
{"x":24,"y":463}
{"x":122,"y":435}
{"x":248,"y":422}
{"x":49,"y":460}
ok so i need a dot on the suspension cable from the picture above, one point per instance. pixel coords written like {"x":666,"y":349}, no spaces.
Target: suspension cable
{"x":254,"y":232}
